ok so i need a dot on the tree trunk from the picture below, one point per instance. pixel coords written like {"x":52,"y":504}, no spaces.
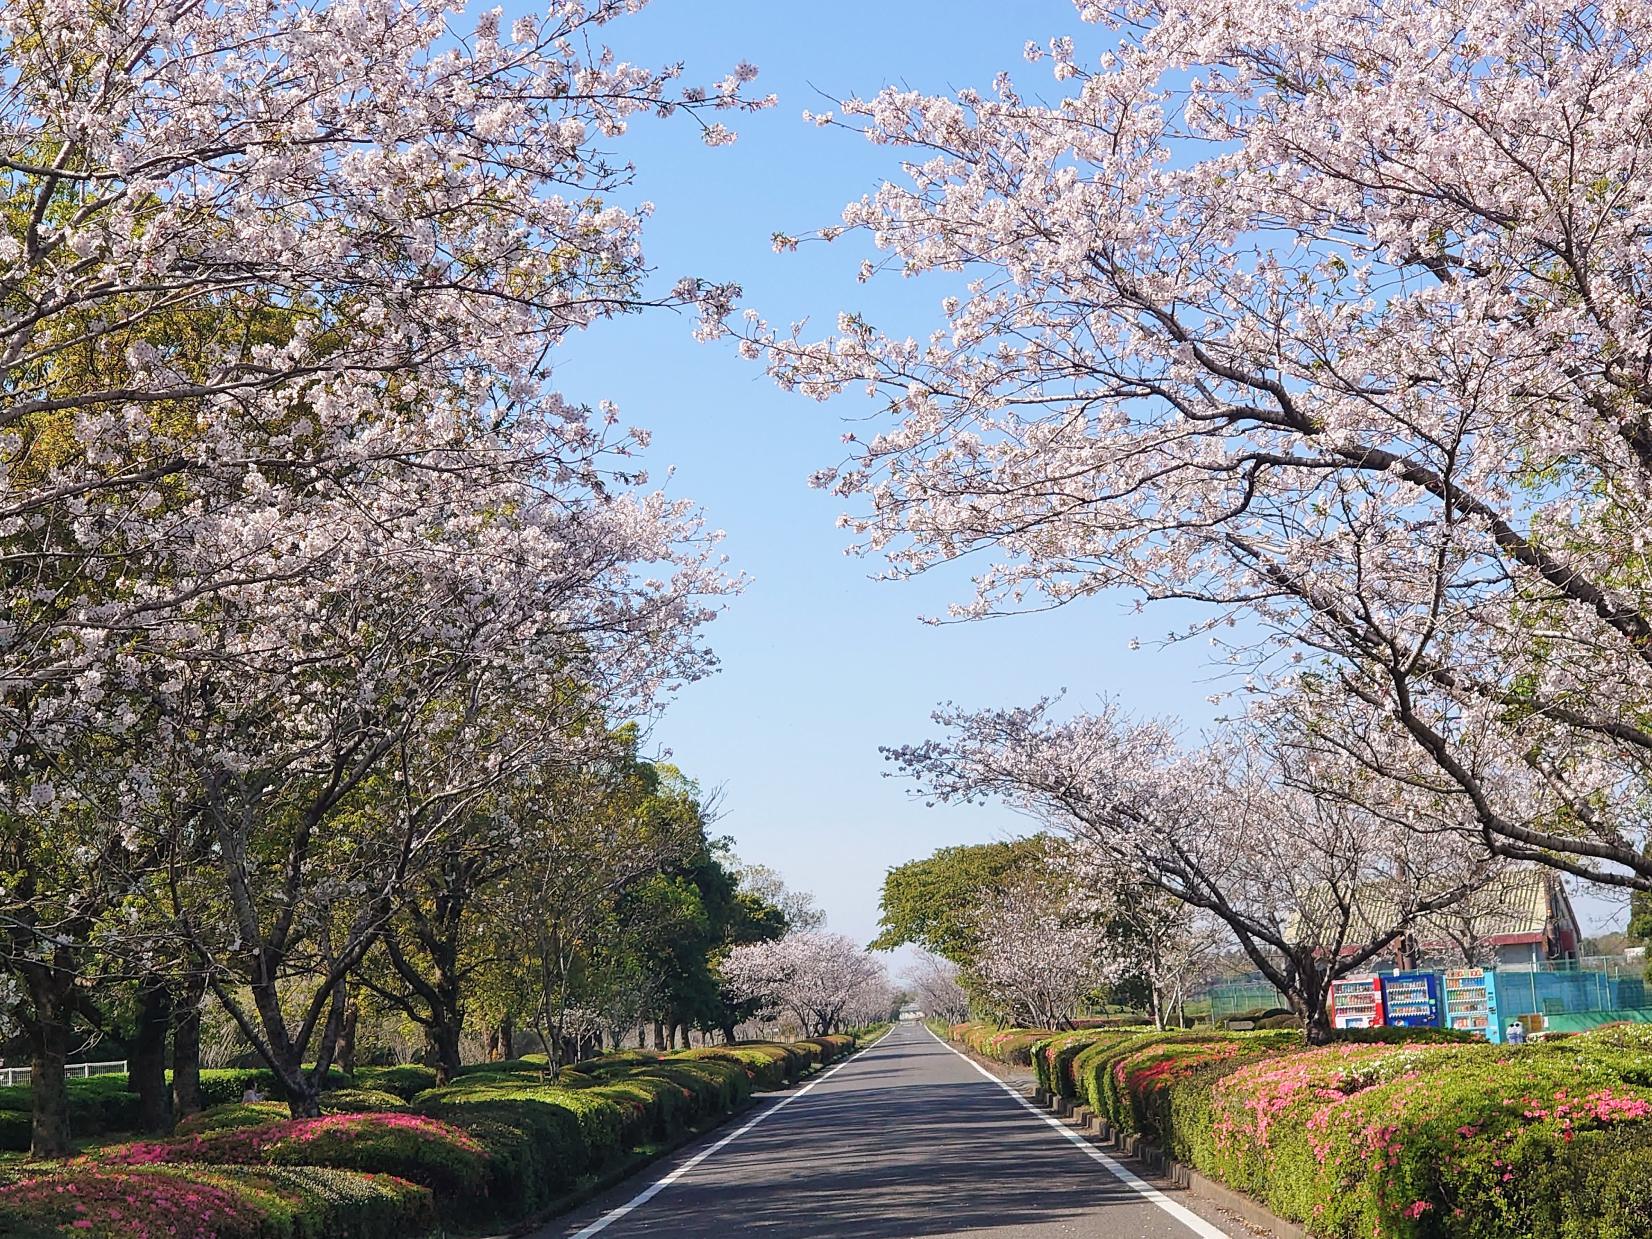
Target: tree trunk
{"x":659,"y":1034}
{"x":728,"y":1034}
{"x":444,"y":1046}
{"x":507,"y":1038}
{"x":186,"y":1052}
{"x":146,"y":1070}
{"x":49,"y":1053}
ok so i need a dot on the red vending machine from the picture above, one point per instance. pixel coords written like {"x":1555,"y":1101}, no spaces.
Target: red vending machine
{"x":1356,"y":1002}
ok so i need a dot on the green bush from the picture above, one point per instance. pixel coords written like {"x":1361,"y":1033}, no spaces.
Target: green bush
{"x":1403,"y":1036}
{"x":225,"y":1084}
{"x":767,"y":1064}
{"x":620,"y":1060}
{"x":831,"y":1047}
{"x":233,"y":1116}
{"x":356,"y":1100}
{"x":533,"y":1065}
{"x":712,"y":1087}
{"x":1394,"y":1134}
{"x":405,"y":1080}
{"x":97,"y":1104}
{"x":654,"y":1108}
{"x":1052,"y":1058}
{"x":16,"y":1130}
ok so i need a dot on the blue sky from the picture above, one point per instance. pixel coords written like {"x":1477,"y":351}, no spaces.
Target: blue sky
{"x":821,"y":665}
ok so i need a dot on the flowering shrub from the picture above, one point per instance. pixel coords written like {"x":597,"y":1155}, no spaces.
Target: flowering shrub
{"x":126,"y":1204}
{"x":445,"y":1158}
{"x":1006,"y":1045}
{"x":196,"y":1202}
{"x":1429,"y":1138}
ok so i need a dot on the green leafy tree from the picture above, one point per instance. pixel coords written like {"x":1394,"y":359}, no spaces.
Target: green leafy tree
{"x":928,"y":903}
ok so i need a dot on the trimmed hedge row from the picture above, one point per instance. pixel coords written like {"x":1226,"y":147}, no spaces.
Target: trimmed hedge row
{"x":97,"y":1104}
{"x":492,"y":1147}
{"x":1006,"y":1045}
{"x":1376,"y":1138}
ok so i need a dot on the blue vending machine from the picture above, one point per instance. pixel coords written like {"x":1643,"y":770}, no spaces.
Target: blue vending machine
{"x":1471,"y":1002}
{"x":1412,"y":1000}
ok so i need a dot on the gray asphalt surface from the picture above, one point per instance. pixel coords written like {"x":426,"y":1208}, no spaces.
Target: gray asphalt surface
{"x":908,"y":1139}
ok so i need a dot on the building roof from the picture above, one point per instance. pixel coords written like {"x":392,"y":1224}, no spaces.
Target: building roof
{"x":1522,"y":904}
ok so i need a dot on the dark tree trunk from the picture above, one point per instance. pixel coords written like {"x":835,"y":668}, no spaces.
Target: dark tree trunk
{"x":507,"y":1038}
{"x":659,"y":1034}
{"x":49,"y":992}
{"x":444,"y":1050}
{"x":728,"y":1034}
{"x":186,"y":1052}
{"x":146,"y":1069}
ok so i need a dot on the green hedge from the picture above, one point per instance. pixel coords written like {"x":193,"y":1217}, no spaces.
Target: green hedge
{"x":224,"y":1084}
{"x":97,"y":1104}
{"x":833,"y":1046}
{"x":1006,"y":1045}
{"x":405,"y":1080}
{"x":767,"y":1064}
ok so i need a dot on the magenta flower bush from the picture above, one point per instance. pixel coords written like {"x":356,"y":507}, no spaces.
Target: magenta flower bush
{"x":423,"y":1150}
{"x":1421,"y":1140}
{"x":202,"y":1202}
{"x":126,"y":1204}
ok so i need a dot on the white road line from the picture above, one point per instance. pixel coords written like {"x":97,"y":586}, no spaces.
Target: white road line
{"x":659,"y":1185}
{"x":1145,"y":1190}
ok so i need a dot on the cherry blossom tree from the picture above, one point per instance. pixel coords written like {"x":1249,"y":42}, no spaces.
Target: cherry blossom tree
{"x":1227,"y":829}
{"x":936,"y":988}
{"x":289,"y":503}
{"x":1042,"y":952}
{"x":1334,"y":316}
{"x":816,"y":977}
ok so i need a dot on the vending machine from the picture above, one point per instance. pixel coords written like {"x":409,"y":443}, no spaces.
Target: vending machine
{"x":1412,"y":999}
{"x":1356,"y":1002}
{"x":1471,"y":1002}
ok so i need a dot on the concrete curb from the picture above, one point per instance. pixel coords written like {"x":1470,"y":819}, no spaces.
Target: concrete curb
{"x":1100,"y":1132}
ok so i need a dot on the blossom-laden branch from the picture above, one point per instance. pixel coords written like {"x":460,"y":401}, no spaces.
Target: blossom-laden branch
{"x":1335,"y":314}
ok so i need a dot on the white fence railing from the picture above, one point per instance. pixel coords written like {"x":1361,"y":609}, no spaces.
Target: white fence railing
{"x":21,"y":1075}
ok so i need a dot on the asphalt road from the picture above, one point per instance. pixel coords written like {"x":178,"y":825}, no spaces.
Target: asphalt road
{"x":906,"y":1139}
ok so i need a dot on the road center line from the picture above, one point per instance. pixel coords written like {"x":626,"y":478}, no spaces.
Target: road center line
{"x":659,"y":1185}
{"x":1145,"y":1190}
